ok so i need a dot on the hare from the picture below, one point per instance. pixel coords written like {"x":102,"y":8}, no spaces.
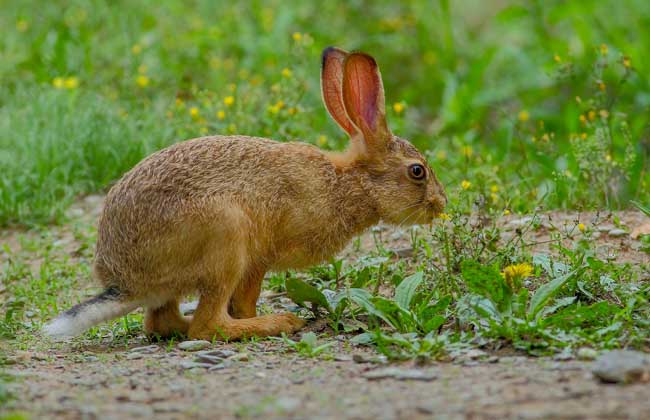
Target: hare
{"x":212,"y":215}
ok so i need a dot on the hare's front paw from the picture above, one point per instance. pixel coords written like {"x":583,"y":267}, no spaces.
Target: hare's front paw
{"x":290,"y":323}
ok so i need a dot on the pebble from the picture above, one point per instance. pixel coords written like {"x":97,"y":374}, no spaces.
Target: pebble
{"x":186,"y":364}
{"x":622,"y":366}
{"x":134,"y":356}
{"x":194,"y":345}
{"x":219,"y":366}
{"x":207,"y":358}
{"x":617,"y":233}
{"x":343,"y":358}
{"x":399,"y":374}
{"x":586,"y":353}
{"x":404,"y":252}
{"x":362,"y":358}
{"x":145,"y":349}
{"x":239,"y":357}
{"x":223,"y":353}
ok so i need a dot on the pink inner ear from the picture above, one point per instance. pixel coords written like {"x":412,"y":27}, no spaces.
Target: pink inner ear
{"x":363,"y":92}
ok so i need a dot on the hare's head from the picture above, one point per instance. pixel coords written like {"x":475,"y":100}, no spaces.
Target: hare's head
{"x":402,"y":185}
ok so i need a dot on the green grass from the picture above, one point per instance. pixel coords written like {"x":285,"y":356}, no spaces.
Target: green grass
{"x":482,"y":89}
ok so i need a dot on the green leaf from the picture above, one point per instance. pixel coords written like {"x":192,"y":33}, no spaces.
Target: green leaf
{"x":486,"y":281}
{"x":406,"y":290}
{"x":301,"y":292}
{"x":545,"y":292}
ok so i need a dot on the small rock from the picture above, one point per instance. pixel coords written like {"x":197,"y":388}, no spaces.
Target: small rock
{"x":134,"y":356}
{"x":624,"y":366}
{"x":207,"y":358}
{"x":362,"y":358}
{"x":566,"y":354}
{"x":343,"y":358}
{"x":586,"y":353}
{"x":616,"y":233}
{"x":145,"y":349}
{"x":218,"y":366}
{"x":194,"y":345}
{"x":186,"y":364}
{"x":605,"y":228}
{"x":223,"y":353}
{"x":399,"y":374}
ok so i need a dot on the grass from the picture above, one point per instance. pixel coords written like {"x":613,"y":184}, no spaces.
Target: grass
{"x":520,"y":107}
{"x":547,"y":101}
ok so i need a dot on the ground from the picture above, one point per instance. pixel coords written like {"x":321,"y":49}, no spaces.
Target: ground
{"x":102,"y":377}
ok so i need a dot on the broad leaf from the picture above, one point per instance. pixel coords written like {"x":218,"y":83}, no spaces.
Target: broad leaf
{"x":545,"y":292}
{"x":301,"y":292}
{"x":406,"y":290}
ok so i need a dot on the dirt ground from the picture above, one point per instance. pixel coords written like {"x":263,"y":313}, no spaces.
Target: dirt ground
{"x":262,"y":379}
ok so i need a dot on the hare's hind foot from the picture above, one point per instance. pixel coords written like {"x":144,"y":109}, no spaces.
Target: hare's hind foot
{"x":166,"y":321}
{"x":207,"y":328}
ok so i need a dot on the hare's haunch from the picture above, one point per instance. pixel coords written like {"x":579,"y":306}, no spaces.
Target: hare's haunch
{"x":212,"y":215}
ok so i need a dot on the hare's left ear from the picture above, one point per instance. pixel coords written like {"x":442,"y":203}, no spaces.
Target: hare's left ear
{"x":331,"y":80}
{"x":363,"y":98}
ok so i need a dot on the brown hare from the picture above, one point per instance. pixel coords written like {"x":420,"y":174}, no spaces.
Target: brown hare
{"x":212,"y":215}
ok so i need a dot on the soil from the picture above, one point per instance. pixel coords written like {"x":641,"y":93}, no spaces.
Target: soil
{"x":102,"y":379}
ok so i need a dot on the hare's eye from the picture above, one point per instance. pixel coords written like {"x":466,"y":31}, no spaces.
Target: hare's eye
{"x":417,"y":172}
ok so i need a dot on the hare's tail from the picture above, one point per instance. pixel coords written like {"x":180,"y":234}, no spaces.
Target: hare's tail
{"x":107,"y":305}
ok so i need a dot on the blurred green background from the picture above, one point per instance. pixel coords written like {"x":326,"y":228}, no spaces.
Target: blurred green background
{"x":519,"y":104}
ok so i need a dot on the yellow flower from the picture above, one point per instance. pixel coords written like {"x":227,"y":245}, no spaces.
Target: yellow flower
{"x":604,"y":114}
{"x":398,"y":107}
{"x":494,"y":197}
{"x":322,"y":140}
{"x":494,"y":188}
{"x":221,"y":115}
{"x":592,"y":115}
{"x":557,"y":58}
{"x":506,"y":212}
{"x":578,"y":100}
{"x":583,"y":119}
{"x":194,"y":112}
{"x":443,"y":216}
{"x":523,"y":116}
{"x":441,"y":155}
{"x":71,"y":83}
{"x":229,"y":100}
{"x":581,"y":227}
{"x":583,"y":136}
{"x":142,"y":81}
{"x":467,"y":151}
{"x":608,"y":157}
{"x":22,"y":25}
{"x":297,"y":36}
{"x":465,"y":184}
{"x":292,"y":111}
{"x":603,"y":49}
{"x":273,"y":109}
{"x":136,"y":49}
{"x":514,"y":274}
{"x":179,"y":103}
{"x":279,"y":104}
{"x":57,"y":82}
{"x":627,"y":63}
{"x":286,"y":73}
{"x":602,"y":86}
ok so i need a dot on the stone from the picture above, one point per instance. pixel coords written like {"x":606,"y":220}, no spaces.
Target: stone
{"x":187,"y":364}
{"x":622,"y":366}
{"x":617,"y":233}
{"x":194,"y":345}
{"x":586,"y":353}
{"x":145,"y":349}
{"x":399,"y":374}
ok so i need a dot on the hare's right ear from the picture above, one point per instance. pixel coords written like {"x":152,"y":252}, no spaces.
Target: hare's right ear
{"x":331,"y":82}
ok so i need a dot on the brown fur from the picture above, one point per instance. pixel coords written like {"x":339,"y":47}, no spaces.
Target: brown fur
{"x":212,"y":215}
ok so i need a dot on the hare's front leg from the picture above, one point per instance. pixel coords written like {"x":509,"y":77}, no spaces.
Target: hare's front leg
{"x":243,"y":303}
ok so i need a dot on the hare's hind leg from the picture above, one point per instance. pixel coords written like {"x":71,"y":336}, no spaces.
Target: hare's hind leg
{"x":166,"y":320}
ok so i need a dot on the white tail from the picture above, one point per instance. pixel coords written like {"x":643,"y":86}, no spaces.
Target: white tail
{"x":103,"y":307}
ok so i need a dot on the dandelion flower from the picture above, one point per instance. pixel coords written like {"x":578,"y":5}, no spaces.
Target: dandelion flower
{"x":322,"y":140}
{"x":398,"y":107}
{"x":292,"y":111}
{"x":581,"y":227}
{"x":297,"y":36}
{"x":465,"y":184}
{"x":583,"y":119}
{"x":443,"y":216}
{"x":627,"y":63}
{"x":557,"y":58}
{"x":592,"y":115}
{"x":194,"y":112}
{"x":142,"y":81}
{"x":229,"y":100}
{"x":583,"y":136}
{"x":467,"y":151}
{"x":603,"y":49}
{"x":514,"y":274}
{"x":136,"y":49}
{"x":506,"y":212}
{"x":602,"y":86}
{"x":523,"y":116}
{"x":287,"y":73}
{"x":57,"y":82}
{"x":71,"y":83}
{"x":494,"y":188}
{"x":221,"y":115}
